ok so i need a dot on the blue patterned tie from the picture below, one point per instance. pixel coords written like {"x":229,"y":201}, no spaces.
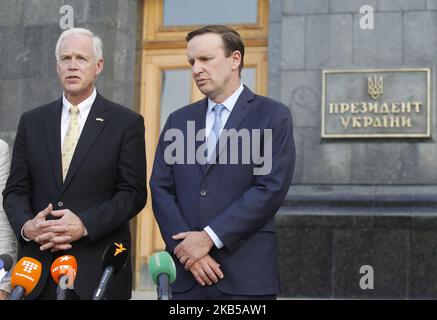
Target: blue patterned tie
{"x":215,"y":131}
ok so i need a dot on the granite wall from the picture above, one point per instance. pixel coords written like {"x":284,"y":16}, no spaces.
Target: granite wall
{"x":354,"y":202}
{"x":307,"y":36}
{"x":29,"y":30}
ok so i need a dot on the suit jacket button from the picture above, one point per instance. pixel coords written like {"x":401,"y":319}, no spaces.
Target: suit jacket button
{"x":60,"y":204}
{"x":203,"y":193}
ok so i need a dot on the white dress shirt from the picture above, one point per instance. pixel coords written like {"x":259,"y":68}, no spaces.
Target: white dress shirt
{"x":84,"y":110}
{"x":229,"y":104}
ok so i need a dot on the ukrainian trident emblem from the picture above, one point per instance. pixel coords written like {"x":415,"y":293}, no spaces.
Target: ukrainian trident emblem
{"x":375,"y":86}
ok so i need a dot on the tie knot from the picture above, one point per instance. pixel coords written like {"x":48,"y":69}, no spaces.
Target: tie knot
{"x":74,"y":110}
{"x":218,"y":108}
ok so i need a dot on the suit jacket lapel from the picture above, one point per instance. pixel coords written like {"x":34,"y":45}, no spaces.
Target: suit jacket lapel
{"x":200,"y":124}
{"x":241,"y":109}
{"x":90,"y":132}
{"x":52,"y":122}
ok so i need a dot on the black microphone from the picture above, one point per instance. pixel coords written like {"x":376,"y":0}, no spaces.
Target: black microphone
{"x":6,"y":263}
{"x":113,"y":260}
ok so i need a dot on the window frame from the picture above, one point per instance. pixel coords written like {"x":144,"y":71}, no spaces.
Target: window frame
{"x":156,"y":35}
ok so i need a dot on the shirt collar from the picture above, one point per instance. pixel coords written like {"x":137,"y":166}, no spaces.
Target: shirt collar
{"x":230,"y":102}
{"x":84,"y":106}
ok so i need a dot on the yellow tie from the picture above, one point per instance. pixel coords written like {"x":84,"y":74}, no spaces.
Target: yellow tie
{"x":70,"y":140}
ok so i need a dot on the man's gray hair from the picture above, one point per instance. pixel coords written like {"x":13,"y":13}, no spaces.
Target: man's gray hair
{"x":96,"y":40}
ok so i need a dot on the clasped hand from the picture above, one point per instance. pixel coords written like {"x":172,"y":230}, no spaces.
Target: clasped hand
{"x":54,"y":234}
{"x":193,"y":253}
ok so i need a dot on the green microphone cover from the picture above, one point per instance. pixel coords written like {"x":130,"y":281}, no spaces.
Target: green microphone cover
{"x":159,"y":263}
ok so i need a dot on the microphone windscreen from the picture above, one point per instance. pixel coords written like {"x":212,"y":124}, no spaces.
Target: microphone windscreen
{"x":26,"y":274}
{"x":63,"y":265}
{"x":115,"y":255}
{"x":6,"y":261}
{"x":162,"y":262}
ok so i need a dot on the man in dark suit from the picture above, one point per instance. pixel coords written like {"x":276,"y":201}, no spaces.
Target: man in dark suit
{"x":217,"y":216}
{"x":78,"y":174}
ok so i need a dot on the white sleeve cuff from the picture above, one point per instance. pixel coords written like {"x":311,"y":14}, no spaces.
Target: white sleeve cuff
{"x":5,"y":281}
{"x":217,"y":242}
{"x":22,"y":235}
{"x":5,"y":285}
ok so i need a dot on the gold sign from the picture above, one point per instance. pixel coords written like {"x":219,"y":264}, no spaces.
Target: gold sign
{"x":376,"y":103}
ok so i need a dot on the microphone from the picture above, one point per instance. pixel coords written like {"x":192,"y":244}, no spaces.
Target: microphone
{"x":113,"y":260}
{"x":63,"y":271}
{"x":25,"y":277}
{"x":6,"y":263}
{"x":163,"y":272}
